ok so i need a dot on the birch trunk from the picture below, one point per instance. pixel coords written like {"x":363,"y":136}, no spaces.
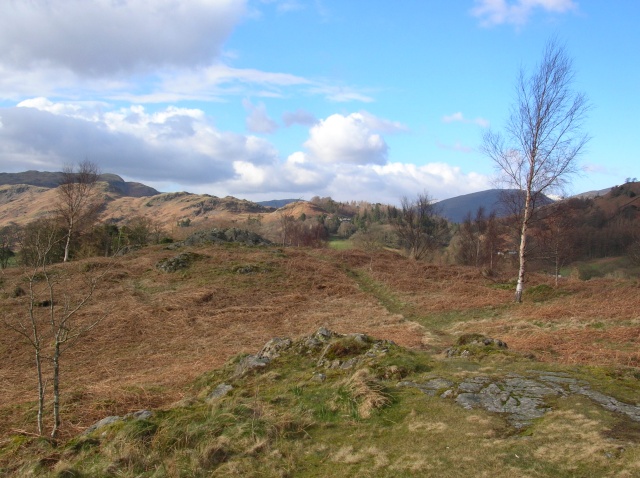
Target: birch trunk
{"x":56,"y":390}
{"x":523,"y":246}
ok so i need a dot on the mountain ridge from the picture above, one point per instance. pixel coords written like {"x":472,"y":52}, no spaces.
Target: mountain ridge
{"x":49,"y":179}
{"x":28,"y":195}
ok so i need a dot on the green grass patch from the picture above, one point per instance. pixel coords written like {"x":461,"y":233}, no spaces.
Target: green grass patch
{"x":340,"y":244}
{"x":384,"y":294}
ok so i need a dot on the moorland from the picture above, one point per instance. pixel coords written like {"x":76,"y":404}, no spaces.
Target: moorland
{"x":396,"y":366}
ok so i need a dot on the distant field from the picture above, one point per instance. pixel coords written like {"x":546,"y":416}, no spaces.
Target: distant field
{"x":340,"y":244}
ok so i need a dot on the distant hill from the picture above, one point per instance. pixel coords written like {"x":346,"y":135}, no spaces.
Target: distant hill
{"x":592,"y":194}
{"x":25,"y":197}
{"x":456,"y":209}
{"x":47,"y":179}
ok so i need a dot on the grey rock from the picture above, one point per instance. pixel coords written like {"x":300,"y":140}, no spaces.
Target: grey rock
{"x":609,"y":403}
{"x":447,"y":394}
{"x":249,"y":363}
{"x":438,"y":383}
{"x":219,"y":392}
{"x":473,"y":385}
{"x":140,"y":415}
{"x":103,"y":423}
{"x":173,"y":264}
{"x":429,"y":388}
{"x":349,"y":363}
{"x":360,"y":338}
{"x":469,"y":400}
{"x":273,"y":347}
{"x":319,"y":377}
{"x":324,"y":334}
{"x":523,"y":399}
{"x":312,"y":343}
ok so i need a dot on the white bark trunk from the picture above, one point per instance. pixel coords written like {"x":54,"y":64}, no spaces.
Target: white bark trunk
{"x":523,"y":246}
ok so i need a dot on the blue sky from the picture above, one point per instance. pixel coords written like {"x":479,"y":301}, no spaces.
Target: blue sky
{"x":263,"y":99}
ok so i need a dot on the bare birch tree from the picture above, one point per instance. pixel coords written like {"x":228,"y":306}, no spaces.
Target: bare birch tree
{"x":543,"y":137}
{"x":53,"y":321}
{"x":31,"y":328}
{"x":76,"y":204}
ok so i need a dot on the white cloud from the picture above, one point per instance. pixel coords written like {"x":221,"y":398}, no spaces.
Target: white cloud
{"x":300,"y":177}
{"x":140,"y":51}
{"x":296,"y":176}
{"x":176,"y":143}
{"x":106,"y":37}
{"x":459,"y":117}
{"x":340,"y":94}
{"x":257,"y":120}
{"x":346,"y":157}
{"x":212,"y":83}
{"x":346,"y":139}
{"x":516,"y":12}
{"x":392,"y":181}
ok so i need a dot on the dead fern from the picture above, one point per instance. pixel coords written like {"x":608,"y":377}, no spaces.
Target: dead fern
{"x":367,"y":392}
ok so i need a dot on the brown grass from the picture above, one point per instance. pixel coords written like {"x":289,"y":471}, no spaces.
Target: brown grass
{"x":164,"y":330}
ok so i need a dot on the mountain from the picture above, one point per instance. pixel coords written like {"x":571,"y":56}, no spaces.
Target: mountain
{"x":47,"y":179}
{"x":456,"y":209}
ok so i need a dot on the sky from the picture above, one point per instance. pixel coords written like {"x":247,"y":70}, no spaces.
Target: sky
{"x":369,"y":100}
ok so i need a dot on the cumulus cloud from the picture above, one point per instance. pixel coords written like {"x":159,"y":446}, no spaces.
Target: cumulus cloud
{"x":390,"y":182}
{"x":296,"y":176}
{"x":106,"y":37}
{"x":299,"y":176}
{"x":459,"y":117}
{"x":347,"y":139}
{"x":176,"y":143}
{"x":516,"y":12}
{"x":257,"y":120}
{"x":140,"y":51}
{"x":345,"y":157}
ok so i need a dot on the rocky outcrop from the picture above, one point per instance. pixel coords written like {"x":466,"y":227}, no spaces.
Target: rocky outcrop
{"x":472,"y":344}
{"x":176,"y":263}
{"x":519,"y":398}
{"x":220,"y":236}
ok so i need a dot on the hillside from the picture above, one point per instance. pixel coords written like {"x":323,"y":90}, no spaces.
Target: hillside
{"x":457,"y":208}
{"x":46,"y":179}
{"x":23,"y":203}
{"x":351,"y":409}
